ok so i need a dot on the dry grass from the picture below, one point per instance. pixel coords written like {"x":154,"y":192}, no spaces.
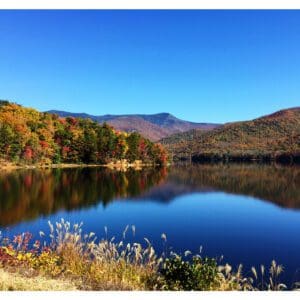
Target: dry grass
{"x":17,"y":282}
{"x":104,"y":265}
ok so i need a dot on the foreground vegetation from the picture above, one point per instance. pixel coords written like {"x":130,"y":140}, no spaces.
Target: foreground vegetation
{"x":73,"y":260}
{"x":31,"y":137}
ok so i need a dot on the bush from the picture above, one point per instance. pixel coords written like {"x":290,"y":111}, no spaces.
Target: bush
{"x":199,"y":274}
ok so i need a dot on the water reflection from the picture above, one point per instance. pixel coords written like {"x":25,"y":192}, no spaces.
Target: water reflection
{"x":275,"y":183}
{"x":29,"y":194}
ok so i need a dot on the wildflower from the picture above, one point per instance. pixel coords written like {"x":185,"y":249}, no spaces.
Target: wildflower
{"x":37,"y":244}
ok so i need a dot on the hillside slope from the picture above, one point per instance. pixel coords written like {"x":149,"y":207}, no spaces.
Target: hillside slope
{"x":31,"y":137}
{"x":267,"y":137}
{"x":153,"y":127}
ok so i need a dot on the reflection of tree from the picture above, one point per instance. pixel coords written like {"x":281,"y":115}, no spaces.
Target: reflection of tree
{"x":275,"y":183}
{"x":27,"y":194}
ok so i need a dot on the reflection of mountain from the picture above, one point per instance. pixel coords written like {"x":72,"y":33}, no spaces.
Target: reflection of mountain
{"x":169,"y":190}
{"x":28,"y":194}
{"x":277,"y":184}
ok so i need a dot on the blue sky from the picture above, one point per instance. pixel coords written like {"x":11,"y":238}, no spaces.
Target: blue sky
{"x":205,"y":66}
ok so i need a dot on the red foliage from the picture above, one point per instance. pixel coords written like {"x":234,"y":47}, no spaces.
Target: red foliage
{"x":142,"y":146}
{"x":62,"y":121}
{"x":162,"y":155}
{"x":22,"y":241}
{"x":44,"y":144}
{"x":28,"y":153}
{"x":5,"y":258}
{"x":72,"y":121}
{"x":66,"y":149}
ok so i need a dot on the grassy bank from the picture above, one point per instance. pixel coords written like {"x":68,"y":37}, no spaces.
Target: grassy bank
{"x":72,"y":260}
{"x":23,"y":282}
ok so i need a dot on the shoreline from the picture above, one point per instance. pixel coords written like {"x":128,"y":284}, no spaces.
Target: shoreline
{"x":117,"y":166}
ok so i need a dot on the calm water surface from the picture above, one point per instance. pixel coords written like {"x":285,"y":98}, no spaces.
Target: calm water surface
{"x":250,"y":214}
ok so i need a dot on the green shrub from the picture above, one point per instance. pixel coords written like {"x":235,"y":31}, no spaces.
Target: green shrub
{"x":199,"y":274}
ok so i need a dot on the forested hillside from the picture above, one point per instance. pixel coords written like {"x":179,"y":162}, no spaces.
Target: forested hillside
{"x":28,"y":136}
{"x":276,"y":136}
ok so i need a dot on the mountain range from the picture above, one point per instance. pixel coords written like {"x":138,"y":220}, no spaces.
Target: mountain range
{"x":267,"y":137}
{"x":153,"y":127}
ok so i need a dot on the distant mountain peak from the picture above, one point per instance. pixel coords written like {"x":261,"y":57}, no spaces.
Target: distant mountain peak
{"x":152,"y":126}
{"x":164,"y":114}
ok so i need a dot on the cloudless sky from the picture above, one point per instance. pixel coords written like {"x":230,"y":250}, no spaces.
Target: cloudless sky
{"x":203,"y":66}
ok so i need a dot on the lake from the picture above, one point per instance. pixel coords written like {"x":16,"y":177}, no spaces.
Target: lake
{"x":248,"y":213}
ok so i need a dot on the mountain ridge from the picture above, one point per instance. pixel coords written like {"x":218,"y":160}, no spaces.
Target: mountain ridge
{"x":152,"y":126}
{"x":265,"y":138}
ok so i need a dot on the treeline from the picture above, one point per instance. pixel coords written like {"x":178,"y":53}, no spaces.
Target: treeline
{"x":29,"y":136}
